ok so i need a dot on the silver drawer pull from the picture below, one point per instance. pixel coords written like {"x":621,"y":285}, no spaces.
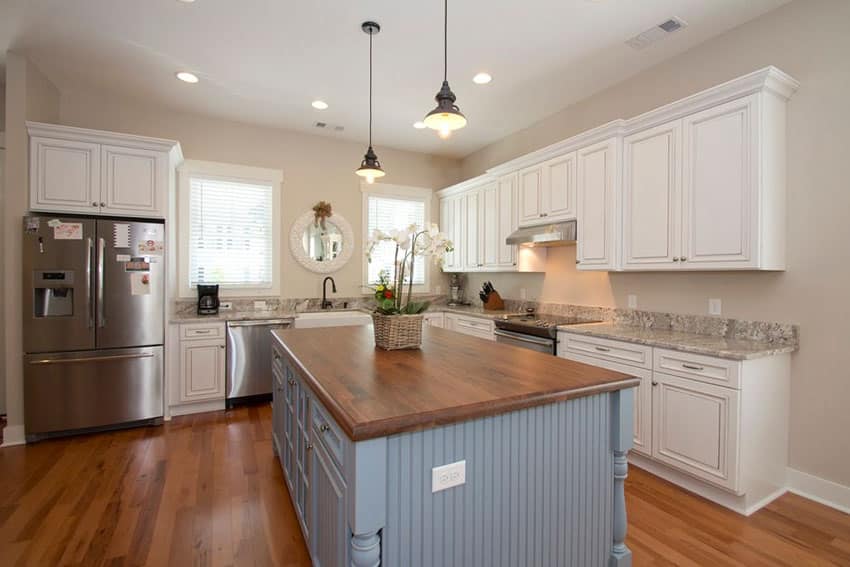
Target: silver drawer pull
{"x":202,"y":331}
{"x":692,"y":366}
{"x":602,"y":349}
{"x":324,"y":427}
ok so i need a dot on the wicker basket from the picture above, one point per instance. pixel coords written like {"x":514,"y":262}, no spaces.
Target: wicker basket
{"x":394,"y":332}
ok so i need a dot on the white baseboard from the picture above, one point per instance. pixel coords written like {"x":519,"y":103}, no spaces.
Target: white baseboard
{"x":13,"y":435}
{"x":820,"y":490}
{"x":197,"y":407}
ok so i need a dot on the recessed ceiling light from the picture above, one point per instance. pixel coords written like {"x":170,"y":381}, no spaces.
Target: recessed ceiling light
{"x":482,"y":78}
{"x":419,"y":125}
{"x":319,"y":105}
{"x":187,"y":77}
{"x":186,"y":1}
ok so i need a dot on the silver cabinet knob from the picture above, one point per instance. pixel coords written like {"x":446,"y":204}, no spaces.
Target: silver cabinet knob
{"x":654,"y":383}
{"x":324,"y":427}
{"x":94,"y":204}
{"x":675,"y":259}
{"x":309,"y":447}
{"x":578,"y":261}
{"x":221,"y":346}
{"x":102,"y":204}
{"x":291,"y":382}
{"x":683,"y":259}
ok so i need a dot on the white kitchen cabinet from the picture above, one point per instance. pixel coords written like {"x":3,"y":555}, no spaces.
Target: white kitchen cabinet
{"x":558,"y":188}
{"x":488,"y":218}
{"x":695,"y":428}
{"x":652,"y":197}
{"x":64,"y":175}
{"x":530,"y":188}
{"x":434,"y":319}
{"x":506,"y":254}
{"x":598,"y":205}
{"x":75,"y":170}
{"x":452,"y":212}
{"x":471,"y":230}
{"x":202,"y":365}
{"x":474,"y":326}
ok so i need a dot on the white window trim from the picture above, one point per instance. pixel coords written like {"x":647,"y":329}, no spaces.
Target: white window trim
{"x":228,"y":172}
{"x":404,"y":192}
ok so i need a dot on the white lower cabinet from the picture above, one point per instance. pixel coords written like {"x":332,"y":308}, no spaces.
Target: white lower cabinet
{"x":202,"y":370}
{"x":435,"y":319}
{"x":715,"y":426}
{"x":474,"y":326}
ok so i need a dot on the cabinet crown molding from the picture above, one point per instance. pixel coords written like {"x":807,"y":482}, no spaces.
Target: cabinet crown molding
{"x":466,"y":185}
{"x":58,"y":131}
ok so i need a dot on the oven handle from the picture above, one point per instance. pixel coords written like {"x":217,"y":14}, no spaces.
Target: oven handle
{"x":523,"y":338}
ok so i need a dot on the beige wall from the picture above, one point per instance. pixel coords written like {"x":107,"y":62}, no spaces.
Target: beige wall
{"x":2,"y":107}
{"x":314,"y":167}
{"x":29,"y":96}
{"x":809,"y":40}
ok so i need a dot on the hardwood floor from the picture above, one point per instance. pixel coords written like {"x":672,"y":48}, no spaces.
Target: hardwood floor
{"x":206,"y":490}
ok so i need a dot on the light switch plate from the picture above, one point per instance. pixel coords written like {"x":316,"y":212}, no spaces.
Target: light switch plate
{"x":447,"y":476}
{"x":632,"y":298}
{"x":715,"y":307}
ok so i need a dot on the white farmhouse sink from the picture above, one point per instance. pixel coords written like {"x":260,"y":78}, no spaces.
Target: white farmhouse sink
{"x":331,"y":319}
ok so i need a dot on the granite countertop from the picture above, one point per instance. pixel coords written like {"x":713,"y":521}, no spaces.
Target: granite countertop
{"x":232,"y":315}
{"x":709,"y":345}
{"x":451,"y":378}
{"x":473,"y":311}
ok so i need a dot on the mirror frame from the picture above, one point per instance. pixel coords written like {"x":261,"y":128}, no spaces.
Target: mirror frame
{"x":296,"y":245}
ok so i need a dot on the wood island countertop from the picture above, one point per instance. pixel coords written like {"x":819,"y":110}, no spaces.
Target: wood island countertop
{"x":453,"y":377}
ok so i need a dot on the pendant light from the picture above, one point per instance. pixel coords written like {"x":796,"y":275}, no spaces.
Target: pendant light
{"x":370,"y":167}
{"x":447,"y":116}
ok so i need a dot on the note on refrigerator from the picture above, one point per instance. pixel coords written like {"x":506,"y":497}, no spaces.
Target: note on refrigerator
{"x":121,"y":235}
{"x":140,"y":283}
{"x":68,"y":231}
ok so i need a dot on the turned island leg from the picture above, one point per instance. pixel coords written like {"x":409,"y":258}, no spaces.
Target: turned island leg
{"x":366,"y":550}
{"x":366,"y":475}
{"x":621,"y":441}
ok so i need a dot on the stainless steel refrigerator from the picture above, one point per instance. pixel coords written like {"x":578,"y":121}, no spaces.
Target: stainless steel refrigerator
{"x":93,"y":331}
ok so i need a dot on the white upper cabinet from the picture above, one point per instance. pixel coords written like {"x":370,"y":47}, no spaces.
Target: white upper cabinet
{"x":488,"y":199}
{"x":530,"y":188}
{"x":507,"y":220}
{"x":598,"y":167}
{"x":451,"y":222}
{"x":652,"y":197}
{"x":558,"y":195}
{"x":73,"y":170}
{"x":471,"y":225}
{"x":64,"y":175}
{"x":720,"y":201}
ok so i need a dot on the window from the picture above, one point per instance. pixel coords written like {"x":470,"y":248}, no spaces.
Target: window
{"x":387,"y":208}
{"x":229,"y":229}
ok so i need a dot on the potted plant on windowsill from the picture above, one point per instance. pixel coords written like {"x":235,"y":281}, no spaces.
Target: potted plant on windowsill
{"x":398,"y":322}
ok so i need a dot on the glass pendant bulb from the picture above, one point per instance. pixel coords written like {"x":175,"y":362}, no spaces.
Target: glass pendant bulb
{"x":446,"y":117}
{"x":370,"y":167}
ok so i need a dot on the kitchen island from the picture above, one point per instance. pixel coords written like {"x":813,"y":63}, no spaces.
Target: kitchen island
{"x":539,"y":446}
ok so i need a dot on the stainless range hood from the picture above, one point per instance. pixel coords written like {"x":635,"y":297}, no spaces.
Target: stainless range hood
{"x":556,"y":234}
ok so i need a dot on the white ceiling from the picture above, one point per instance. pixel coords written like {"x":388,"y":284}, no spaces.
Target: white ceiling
{"x":264,"y":61}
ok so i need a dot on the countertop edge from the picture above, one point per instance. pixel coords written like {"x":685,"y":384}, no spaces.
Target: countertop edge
{"x":405,"y":424}
{"x":769,"y":350}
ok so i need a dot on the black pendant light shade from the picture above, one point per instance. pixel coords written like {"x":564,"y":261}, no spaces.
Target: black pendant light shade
{"x":447,"y":116}
{"x":370,"y":167}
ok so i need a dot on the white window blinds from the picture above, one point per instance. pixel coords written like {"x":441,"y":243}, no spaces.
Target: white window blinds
{"x":230,"y":233}
{"x":387,"y":213}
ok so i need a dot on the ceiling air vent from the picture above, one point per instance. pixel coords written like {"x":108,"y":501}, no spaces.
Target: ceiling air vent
{"x":655,"y":33}
{"x":326,"y":126}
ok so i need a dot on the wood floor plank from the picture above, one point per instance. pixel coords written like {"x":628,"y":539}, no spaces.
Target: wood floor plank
{"x":207,"y":490}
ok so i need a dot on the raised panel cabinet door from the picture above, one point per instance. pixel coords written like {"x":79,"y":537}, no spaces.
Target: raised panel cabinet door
{"x":329,"y":535}
{"x":507,"y":220}
{"x":64,"y":175}
{"x":471,"y":223}
{"x":719,"y":186}
{"x":558,"y":196}
{"x":459,"y":231}
{"x":278,"y":410}
{"x":596,"y":213}
{"x":202,"y":370}
{"x":530,"y":211}
{"x":446,"y":211}
{"x":652,"y":198}
{"x":695,"y":428}
{"x":134,"y":181}
{"x":489,"y":230}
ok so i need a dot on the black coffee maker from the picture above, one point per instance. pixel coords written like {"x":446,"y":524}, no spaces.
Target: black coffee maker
{"x":208,"y":299}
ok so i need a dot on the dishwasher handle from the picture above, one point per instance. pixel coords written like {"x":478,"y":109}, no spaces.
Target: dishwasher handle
{"x":262,"y":322}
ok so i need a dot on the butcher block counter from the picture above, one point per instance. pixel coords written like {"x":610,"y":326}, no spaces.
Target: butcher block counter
{"x":463,"y":452}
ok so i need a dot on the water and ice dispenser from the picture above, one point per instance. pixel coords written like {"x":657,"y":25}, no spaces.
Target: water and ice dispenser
{"x":53,"y":293}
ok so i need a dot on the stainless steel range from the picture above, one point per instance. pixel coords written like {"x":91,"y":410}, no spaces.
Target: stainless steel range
{"x":534,"y":331}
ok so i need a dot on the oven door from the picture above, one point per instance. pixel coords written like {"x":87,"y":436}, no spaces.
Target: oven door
{"x":539,"y":344}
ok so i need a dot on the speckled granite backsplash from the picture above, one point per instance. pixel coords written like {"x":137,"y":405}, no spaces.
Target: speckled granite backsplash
{"x":296,"y":305}
{"x":785,"y":333}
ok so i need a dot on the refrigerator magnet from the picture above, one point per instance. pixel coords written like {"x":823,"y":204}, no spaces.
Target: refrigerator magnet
{"x":140,"y":284}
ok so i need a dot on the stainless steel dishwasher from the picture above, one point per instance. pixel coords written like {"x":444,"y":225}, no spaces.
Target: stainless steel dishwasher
{"x":249,"y":355}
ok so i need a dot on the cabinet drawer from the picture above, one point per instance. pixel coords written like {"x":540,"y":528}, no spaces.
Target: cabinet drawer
{"x":202,"y":331}
{"x":328,"y":433}
{"x":482,"y":328}
{"x":703,"y":368}
{"x":613,"y":351}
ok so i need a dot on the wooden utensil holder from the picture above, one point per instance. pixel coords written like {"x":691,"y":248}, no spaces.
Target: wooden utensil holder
{"x":494,"y":302}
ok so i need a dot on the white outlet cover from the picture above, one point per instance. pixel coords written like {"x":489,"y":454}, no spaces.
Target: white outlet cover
{"x":225,"y":305}
{"x":715,"y":307}
{"x":522,"y":293}
{"x":448,"y":476}
{"x":632,"y":299}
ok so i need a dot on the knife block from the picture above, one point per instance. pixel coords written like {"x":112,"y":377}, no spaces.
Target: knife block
{"x":494,"y":302}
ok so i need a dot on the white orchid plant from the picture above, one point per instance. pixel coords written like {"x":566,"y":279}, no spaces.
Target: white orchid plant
{"x":409,"y":243}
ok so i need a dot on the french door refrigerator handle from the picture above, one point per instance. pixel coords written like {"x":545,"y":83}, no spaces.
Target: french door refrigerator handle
{"x":101,"y":252}
{"x":89,"y":284}
{"x":92,"y":358}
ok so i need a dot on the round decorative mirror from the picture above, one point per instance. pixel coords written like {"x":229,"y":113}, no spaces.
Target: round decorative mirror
{"x":321,"y":244}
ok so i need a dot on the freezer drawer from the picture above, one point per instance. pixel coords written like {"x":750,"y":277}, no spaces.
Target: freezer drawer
{"x":91,"y":389}
{"x":249,"y":356}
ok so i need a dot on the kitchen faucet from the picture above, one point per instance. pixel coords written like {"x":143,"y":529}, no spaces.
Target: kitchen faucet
{"x":325,"y":303}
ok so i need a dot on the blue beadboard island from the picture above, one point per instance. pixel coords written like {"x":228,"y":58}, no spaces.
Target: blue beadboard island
{"x":359,"y":430}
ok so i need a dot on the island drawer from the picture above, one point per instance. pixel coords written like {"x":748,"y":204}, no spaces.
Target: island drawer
{"x":482,"y":328}
{"x":328,"y":433}
{"x":613,"y":351}
{"x":698,"y":367}
{"x":202,"y":331}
